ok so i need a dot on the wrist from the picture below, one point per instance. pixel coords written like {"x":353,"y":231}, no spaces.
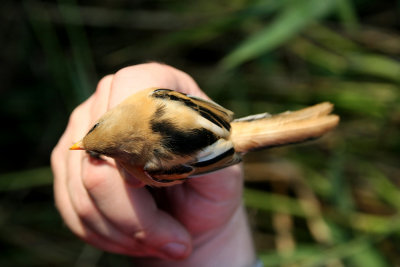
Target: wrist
{"x":231,"y":245}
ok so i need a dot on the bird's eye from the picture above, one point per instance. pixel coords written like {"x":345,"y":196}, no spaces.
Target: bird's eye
{"x":94,"y":127}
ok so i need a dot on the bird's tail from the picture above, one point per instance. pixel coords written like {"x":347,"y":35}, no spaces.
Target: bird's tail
{"x":264,"y":130}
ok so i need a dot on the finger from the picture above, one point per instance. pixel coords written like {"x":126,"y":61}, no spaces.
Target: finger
{"x":87,"y":210}
{"x":220,"y":186}
{"x":139,"y":77}
{"x":135,"y":213}
{"x":186,"y":84}
{"x":218,"y":193}
{"x":62,"y":196}
{"x":72,"y":220}
{"x":101,"y":98}
{"x":81,"y":202}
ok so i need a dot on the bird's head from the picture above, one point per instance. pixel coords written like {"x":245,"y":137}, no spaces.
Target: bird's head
{"x":116,"y":134}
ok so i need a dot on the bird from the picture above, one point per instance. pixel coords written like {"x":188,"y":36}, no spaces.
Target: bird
{"x":164,"y":137}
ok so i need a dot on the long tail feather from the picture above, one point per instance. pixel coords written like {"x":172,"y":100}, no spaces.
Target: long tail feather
{"x":256,"y":132}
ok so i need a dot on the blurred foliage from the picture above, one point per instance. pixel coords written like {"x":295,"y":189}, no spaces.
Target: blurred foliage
{"x":332,"y":202}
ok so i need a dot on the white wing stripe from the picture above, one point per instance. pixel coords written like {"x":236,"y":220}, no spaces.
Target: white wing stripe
{"x":214,"y":150}
{"x":219,"y":131}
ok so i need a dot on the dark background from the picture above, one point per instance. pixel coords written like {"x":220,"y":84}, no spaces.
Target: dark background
{"x":331,"y":202}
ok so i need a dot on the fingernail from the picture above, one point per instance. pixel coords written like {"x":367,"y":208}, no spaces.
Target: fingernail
{"x":174,"y":250}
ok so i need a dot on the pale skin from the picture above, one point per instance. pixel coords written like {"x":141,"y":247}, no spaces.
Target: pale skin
{"x":199,"y":223}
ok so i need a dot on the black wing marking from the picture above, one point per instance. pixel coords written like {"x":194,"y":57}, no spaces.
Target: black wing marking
{"x":182,"y":142}
{"x":183,"y":171}
{"x":207,"y":109}
{"x":221,"y":161}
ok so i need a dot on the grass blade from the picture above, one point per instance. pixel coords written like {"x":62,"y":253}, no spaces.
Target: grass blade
{"x":291,"y":21}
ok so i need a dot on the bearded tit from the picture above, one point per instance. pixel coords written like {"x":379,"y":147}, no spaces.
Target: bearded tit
{"x":164,"y":137}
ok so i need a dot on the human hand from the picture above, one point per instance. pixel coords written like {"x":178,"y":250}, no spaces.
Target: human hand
{"x":200,"y":221}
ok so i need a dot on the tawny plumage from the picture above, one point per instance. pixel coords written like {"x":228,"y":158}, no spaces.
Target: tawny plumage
{"x":264,"y":130}
{"x":163,"y":137}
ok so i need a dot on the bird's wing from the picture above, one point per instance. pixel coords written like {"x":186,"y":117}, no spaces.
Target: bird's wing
{"x":216,"y":156}
{"x":207,"y":109}
{"x":204,"y":148}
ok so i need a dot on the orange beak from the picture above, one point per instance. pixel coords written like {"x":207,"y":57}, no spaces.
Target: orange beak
{"x":77,"y":146}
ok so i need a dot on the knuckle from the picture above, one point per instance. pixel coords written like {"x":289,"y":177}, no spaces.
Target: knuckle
{"x":156,"y":67}
{"x":76,"y":113}
{"x":105,"y":80}
{"x":79,"y":119}
{"x":125,"y":71}
{"x":103,"y":85}
{"x":152,"y":69}
{"x":81,"y":110}
{"x":76,"y":116}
